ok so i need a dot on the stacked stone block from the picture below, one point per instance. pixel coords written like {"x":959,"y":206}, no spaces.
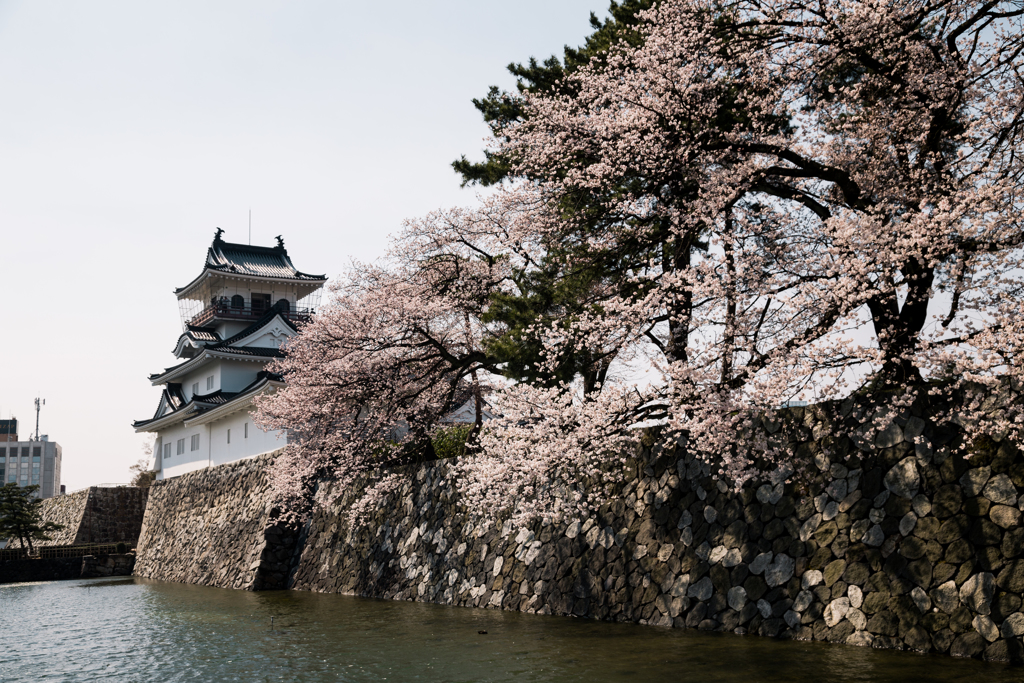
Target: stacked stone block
{"x":906,"y":545}
{"x":68,"y":512}
{"x":213,"y":527}
{"x":95,"y":515}
{"x":113,"y":515}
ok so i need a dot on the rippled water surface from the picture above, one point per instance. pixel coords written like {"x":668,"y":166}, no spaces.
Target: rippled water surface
{"x":136,"y":630}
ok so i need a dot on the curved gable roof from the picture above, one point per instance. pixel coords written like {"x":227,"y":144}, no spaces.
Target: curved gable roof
{"x":247,"y":260}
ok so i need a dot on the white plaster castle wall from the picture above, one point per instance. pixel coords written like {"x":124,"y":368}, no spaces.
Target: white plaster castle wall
{"x":214,"y":448}
{"x":176,"y":464}
{"x":229,"y":328}
{"x":242,"y":446}
{"x":199,"y":376}
{"x":236,"y":375}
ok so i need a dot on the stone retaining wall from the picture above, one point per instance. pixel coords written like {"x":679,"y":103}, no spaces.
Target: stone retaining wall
{"x":66,"y":511}
{"x":905,"y":547}
{"x":95,"y":515}
{"x":50,"y":569}
{"x":909,"y":547}
{"x":63,"y":568}
{"x":113,"y":515}
{"x":210,"y":527}
{"x":107,"y":565}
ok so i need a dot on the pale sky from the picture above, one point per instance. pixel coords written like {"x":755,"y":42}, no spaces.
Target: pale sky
{"x":130,"y":130}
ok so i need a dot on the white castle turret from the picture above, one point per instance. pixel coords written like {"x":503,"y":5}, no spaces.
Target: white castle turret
{"x":239,"y":311}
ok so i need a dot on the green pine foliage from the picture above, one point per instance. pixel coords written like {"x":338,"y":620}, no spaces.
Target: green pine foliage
{"x":498,"y":109}
{"x":21,"y":515}
{"x":558,"y":293}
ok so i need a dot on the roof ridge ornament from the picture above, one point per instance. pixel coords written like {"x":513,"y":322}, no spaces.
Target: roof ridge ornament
{"x":280,"y":242}
{"x":216,"y":235}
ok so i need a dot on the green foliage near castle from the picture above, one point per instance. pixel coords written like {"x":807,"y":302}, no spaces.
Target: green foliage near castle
{"x":552,"y":294}
{"x":450,"y":442}
{"x":499,"y":109}
{"x":21,"y":515}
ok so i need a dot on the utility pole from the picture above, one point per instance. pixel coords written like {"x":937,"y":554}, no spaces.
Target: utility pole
{"x":38,"y":406}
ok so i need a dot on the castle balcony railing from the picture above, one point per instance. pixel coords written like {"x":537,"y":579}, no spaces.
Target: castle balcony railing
{"x":224,"y":310}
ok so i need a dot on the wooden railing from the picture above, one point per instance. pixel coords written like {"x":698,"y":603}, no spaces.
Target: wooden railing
{"x":224,"y":310}
{"x":52,"y":551}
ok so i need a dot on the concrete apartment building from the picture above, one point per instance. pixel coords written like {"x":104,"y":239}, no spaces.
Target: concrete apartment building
{"x":29,"y":462}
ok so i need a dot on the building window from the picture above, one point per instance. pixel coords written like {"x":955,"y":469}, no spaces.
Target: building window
{"x":246,"y":430}
{"x":181,"y":446}
{"x":229,"y":436}
{"x":283,"y":305}
{"x":238,"y":301}
{"x":167,"y":451}
{"x":260,"y":303}
{"x":209,"y":383}
{"x":36,"y":452}
{"x":195,"y":388}
{"x":195,"y":442}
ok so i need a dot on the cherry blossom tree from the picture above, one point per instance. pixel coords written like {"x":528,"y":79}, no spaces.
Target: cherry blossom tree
{"x":811,"y":171}
{"x":757,"y":201}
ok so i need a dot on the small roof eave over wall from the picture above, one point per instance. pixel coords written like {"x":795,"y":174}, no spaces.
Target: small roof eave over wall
{"x":240,"y":402}
{"x":156,"y":424}
{"x":250,"y":354}
{"x":194,"y":289}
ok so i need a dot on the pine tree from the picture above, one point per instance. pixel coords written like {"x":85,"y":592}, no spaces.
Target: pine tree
{"x":21,"y":515}
{"x":499,"y":108}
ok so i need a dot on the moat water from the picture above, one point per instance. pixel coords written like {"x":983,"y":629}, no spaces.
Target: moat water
{"x":137,"y":630}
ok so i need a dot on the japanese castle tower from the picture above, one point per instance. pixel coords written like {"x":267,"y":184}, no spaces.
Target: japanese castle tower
{"x":236,"y":315}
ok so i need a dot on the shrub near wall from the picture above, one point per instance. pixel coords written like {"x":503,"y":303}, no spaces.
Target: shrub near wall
{"x":906,"y":547}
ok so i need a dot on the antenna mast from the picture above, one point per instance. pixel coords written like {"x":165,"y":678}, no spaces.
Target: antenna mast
{"x":38,"y":406}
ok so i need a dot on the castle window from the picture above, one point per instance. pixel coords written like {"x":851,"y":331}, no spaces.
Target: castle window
{"x":246,"y":431}
{"x":209,"y":383}
{"x":195,"y":442}
{"x":260,"y":303}
{"x":195,"y":388}
{"x":229,"y":436}
{"x":283,"y":305}
{"x":167,"y":451}
{"x":181,"y":446}
{"x":238,"y":301}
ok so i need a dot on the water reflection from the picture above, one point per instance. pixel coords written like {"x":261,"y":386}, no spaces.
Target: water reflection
{"x":136,"y":630}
